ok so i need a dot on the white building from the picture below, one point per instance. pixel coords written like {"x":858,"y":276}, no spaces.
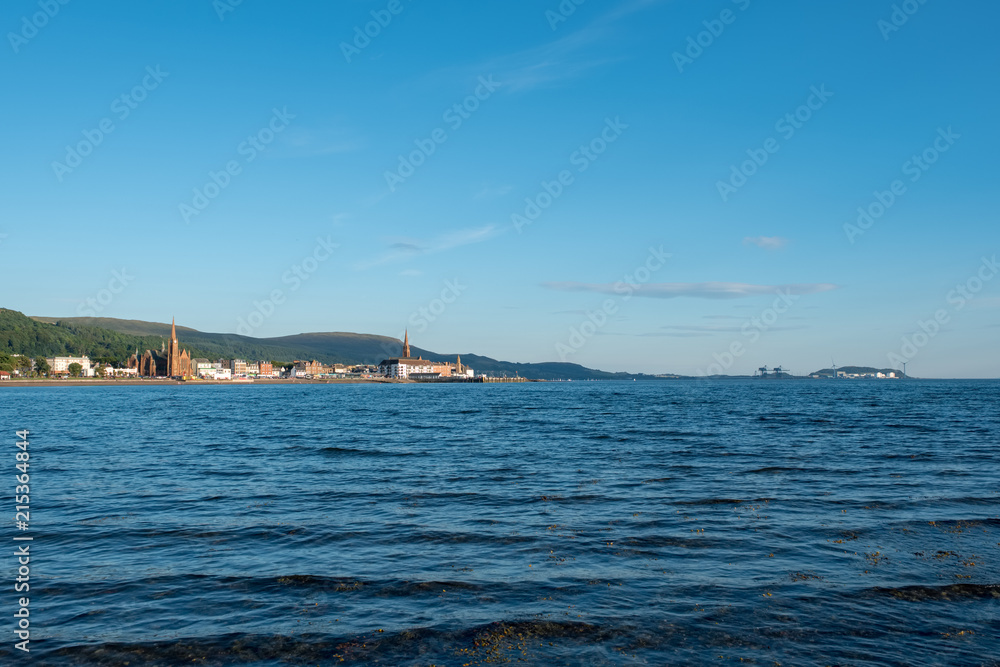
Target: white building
{"x":402,"y":368}
{"x":61,"y":365}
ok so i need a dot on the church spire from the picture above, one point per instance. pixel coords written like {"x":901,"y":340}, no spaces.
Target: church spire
{"x":406,"y":345}
{"x":173,"y":330}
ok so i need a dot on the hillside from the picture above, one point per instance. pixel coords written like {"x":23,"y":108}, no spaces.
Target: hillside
{"x":109,"y":338}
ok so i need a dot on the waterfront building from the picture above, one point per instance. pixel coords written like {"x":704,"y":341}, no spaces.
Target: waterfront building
{"x":308,"y":368}
{"x":169,"y":361}
{"x":153,"y":364}
{"x":60,"y":365}
{"x":448,"y":369}
{"x":178,"y":360}
{"x":404,"y":366}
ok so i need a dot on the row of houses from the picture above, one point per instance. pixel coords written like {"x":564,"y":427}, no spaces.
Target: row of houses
{"x":222,"y":369}
{"x":171,"y":361}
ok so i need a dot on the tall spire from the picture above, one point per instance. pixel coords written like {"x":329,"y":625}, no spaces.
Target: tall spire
{"x":406,"y":344}
{"x":173,"y":330}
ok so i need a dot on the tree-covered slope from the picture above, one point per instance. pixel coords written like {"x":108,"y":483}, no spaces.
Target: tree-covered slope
{"x":102,"y":337}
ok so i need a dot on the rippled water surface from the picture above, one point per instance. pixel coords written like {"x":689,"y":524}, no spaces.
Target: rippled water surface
{"x":681,"y":523}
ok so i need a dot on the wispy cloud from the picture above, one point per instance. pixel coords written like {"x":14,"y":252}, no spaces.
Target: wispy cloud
{"x":400,"y":249}
{"x":668,"y":334}
{"x":564,"y":58}
{"x":311,"y":142}
{"x":493,"y":192}
{"x":693,"y":290}
{"x":720,"y":329}
{"x":989,"y":302}
{"x":766,"y":242}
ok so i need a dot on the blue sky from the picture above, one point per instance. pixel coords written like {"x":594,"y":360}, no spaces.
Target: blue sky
{"x":319,"y":129}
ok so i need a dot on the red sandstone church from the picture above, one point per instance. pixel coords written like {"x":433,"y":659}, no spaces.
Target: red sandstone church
{"x":168,"y":362}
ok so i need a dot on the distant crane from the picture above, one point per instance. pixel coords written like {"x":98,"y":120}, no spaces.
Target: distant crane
{"x":763,"y":371}
{"x":833,"y":365}
{"x":778,"y":370}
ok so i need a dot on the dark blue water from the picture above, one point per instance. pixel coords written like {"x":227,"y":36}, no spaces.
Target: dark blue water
{"x":681,"y":523}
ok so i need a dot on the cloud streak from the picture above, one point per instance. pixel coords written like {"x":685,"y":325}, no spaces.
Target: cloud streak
{"x":403,"y":249}
{"x":716,"y":290}
{"x":766,"y":242}
{"x":567,"y":57}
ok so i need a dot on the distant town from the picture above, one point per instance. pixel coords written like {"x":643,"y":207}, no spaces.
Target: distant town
{"x":53,"y":350}
{"x":172,"y":361}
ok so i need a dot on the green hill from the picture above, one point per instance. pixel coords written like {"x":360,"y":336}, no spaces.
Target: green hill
{"x":113,"y":339}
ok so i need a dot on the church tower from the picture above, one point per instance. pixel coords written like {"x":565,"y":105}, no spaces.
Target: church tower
{"x":174,"y":353}
{"x":406,"y":345}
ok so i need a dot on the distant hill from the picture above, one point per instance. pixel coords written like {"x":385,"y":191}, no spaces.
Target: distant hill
{"x":856,"y":370}
{"x":109,"y":338}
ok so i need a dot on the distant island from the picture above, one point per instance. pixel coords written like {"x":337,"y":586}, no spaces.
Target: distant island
{"x":111,"y":342}
{"x":858,"y":372}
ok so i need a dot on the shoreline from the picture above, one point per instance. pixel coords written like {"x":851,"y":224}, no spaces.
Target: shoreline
{"x":165,"y":382}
